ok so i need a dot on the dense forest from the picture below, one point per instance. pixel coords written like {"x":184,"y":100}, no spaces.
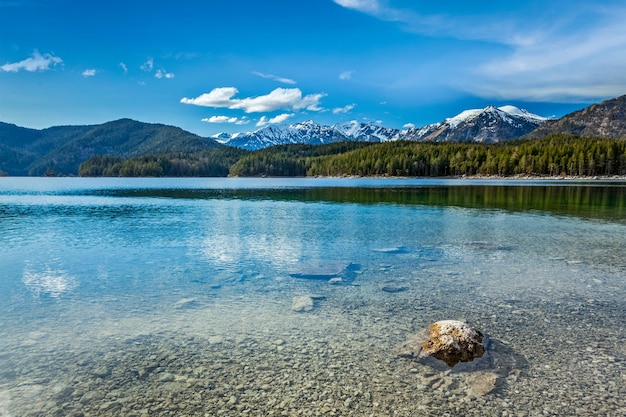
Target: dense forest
{"x":550,"y":156}
{"x":213,"y":163}
{"x":554,"y":155}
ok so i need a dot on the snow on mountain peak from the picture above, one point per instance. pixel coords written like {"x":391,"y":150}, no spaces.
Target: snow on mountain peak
{"x":515,"y":111}
{"x":509,"y":110}
{"x":349,"y":129}
{"x":480,"y":125}
{"x":464,"y":116}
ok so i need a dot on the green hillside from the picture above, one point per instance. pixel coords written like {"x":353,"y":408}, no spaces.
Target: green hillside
{"x":61,"y":149}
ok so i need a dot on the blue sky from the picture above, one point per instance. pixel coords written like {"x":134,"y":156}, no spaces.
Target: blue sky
{"x":212,"y":66}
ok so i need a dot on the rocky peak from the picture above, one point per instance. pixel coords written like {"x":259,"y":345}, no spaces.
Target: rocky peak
{"x":606,"y":120}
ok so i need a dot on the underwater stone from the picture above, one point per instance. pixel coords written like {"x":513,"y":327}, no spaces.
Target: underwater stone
{"x":394,"y":288}
{"x":450,"y":341}
{"x":325,"y":270}
{"x":392,"y":250}
{"x":186,"y":303}
{"x":482,"y":382}
{"x":302,"y":303}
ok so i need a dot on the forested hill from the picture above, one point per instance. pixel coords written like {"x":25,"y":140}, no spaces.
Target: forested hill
{"x":60,"y":150}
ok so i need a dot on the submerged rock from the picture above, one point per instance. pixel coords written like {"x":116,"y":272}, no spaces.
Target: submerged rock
{"x":493,"y":364}
{"x":482,"y":382}
{"x":186,"y":303}
{"x":302,"y":303}
{"x":450,"y":341}
{"x":326,"y":270}
{"x":391,"y":250}
{"x":391,"y":288}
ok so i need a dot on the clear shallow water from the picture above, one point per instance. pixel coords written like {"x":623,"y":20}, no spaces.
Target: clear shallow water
{"x":170,"y":297}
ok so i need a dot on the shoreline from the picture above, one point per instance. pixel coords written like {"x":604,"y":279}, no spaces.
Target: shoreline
{"x":378,"y":177}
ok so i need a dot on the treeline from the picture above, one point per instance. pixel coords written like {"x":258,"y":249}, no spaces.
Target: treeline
{"x":213,"y":163}
{"x":290,"y":160}
{"x":550,"y":156}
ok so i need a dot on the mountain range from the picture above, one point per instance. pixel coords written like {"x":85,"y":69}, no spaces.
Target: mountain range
{"x":488,"y":125}
{"x":61,"y":149}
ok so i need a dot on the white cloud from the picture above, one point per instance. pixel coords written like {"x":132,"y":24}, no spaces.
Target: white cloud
{"x":280,"y":98}
{"x":226,"y":119}
{"x":557,"y":52}
{"x":274,"y":120}
{"x":218,"y":97}
{"x":220,"y":119}
{"x":365,"y":6}
{"x":148,"y":65}
{"x":123,"y":67}
{"x":408,"y":126}
{"x":473,"y":27}
{"x":346,"y":75}
{"x":344,"y":109}
{"x":89,"y":73}
{"x":163,"y":74}
{"x":275,"y":78}
{"x":586,"y":64}
{"x":37,"y":62}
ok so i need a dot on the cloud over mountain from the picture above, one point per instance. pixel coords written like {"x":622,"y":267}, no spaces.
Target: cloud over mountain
{"x":280,"y":98}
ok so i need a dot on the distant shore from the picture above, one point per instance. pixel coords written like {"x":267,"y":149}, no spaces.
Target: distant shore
{"x":616,"y":178}
{"x":486,"y":177}
{"x":547,"y":178}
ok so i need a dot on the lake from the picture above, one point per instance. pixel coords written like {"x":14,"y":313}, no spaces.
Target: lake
{"x":284,"y":297}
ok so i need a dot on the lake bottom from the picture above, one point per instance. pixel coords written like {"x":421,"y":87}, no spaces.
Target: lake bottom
{"x":234,"y":352}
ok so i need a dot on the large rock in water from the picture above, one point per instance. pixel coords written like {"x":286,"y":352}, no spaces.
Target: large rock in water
{"x":440,"y":350}
{"x":450,"y":341}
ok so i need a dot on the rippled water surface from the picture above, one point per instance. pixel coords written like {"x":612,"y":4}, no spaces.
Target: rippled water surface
{"x":142,"y":297}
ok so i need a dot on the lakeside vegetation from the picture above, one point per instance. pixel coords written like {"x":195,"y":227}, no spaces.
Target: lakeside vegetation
{"x":213,"y":163}
{"x":553,"y":155}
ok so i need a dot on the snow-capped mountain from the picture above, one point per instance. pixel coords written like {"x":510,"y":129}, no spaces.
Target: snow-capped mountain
{"x":367,"y":132}
{"x":307,"y":132}
{"x":486,"y":125}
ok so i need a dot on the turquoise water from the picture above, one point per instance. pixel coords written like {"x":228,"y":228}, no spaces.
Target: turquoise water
{"x":190,"y":273}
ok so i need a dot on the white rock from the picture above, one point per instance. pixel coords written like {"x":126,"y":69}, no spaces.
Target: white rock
{"x":302,"y":303}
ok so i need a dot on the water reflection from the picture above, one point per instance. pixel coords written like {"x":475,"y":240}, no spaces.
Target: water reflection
{"x":587,"y":200}
{"x":48,"y":280}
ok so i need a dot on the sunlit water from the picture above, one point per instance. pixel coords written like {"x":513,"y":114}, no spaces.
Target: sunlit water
{"x":174,"y":296}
